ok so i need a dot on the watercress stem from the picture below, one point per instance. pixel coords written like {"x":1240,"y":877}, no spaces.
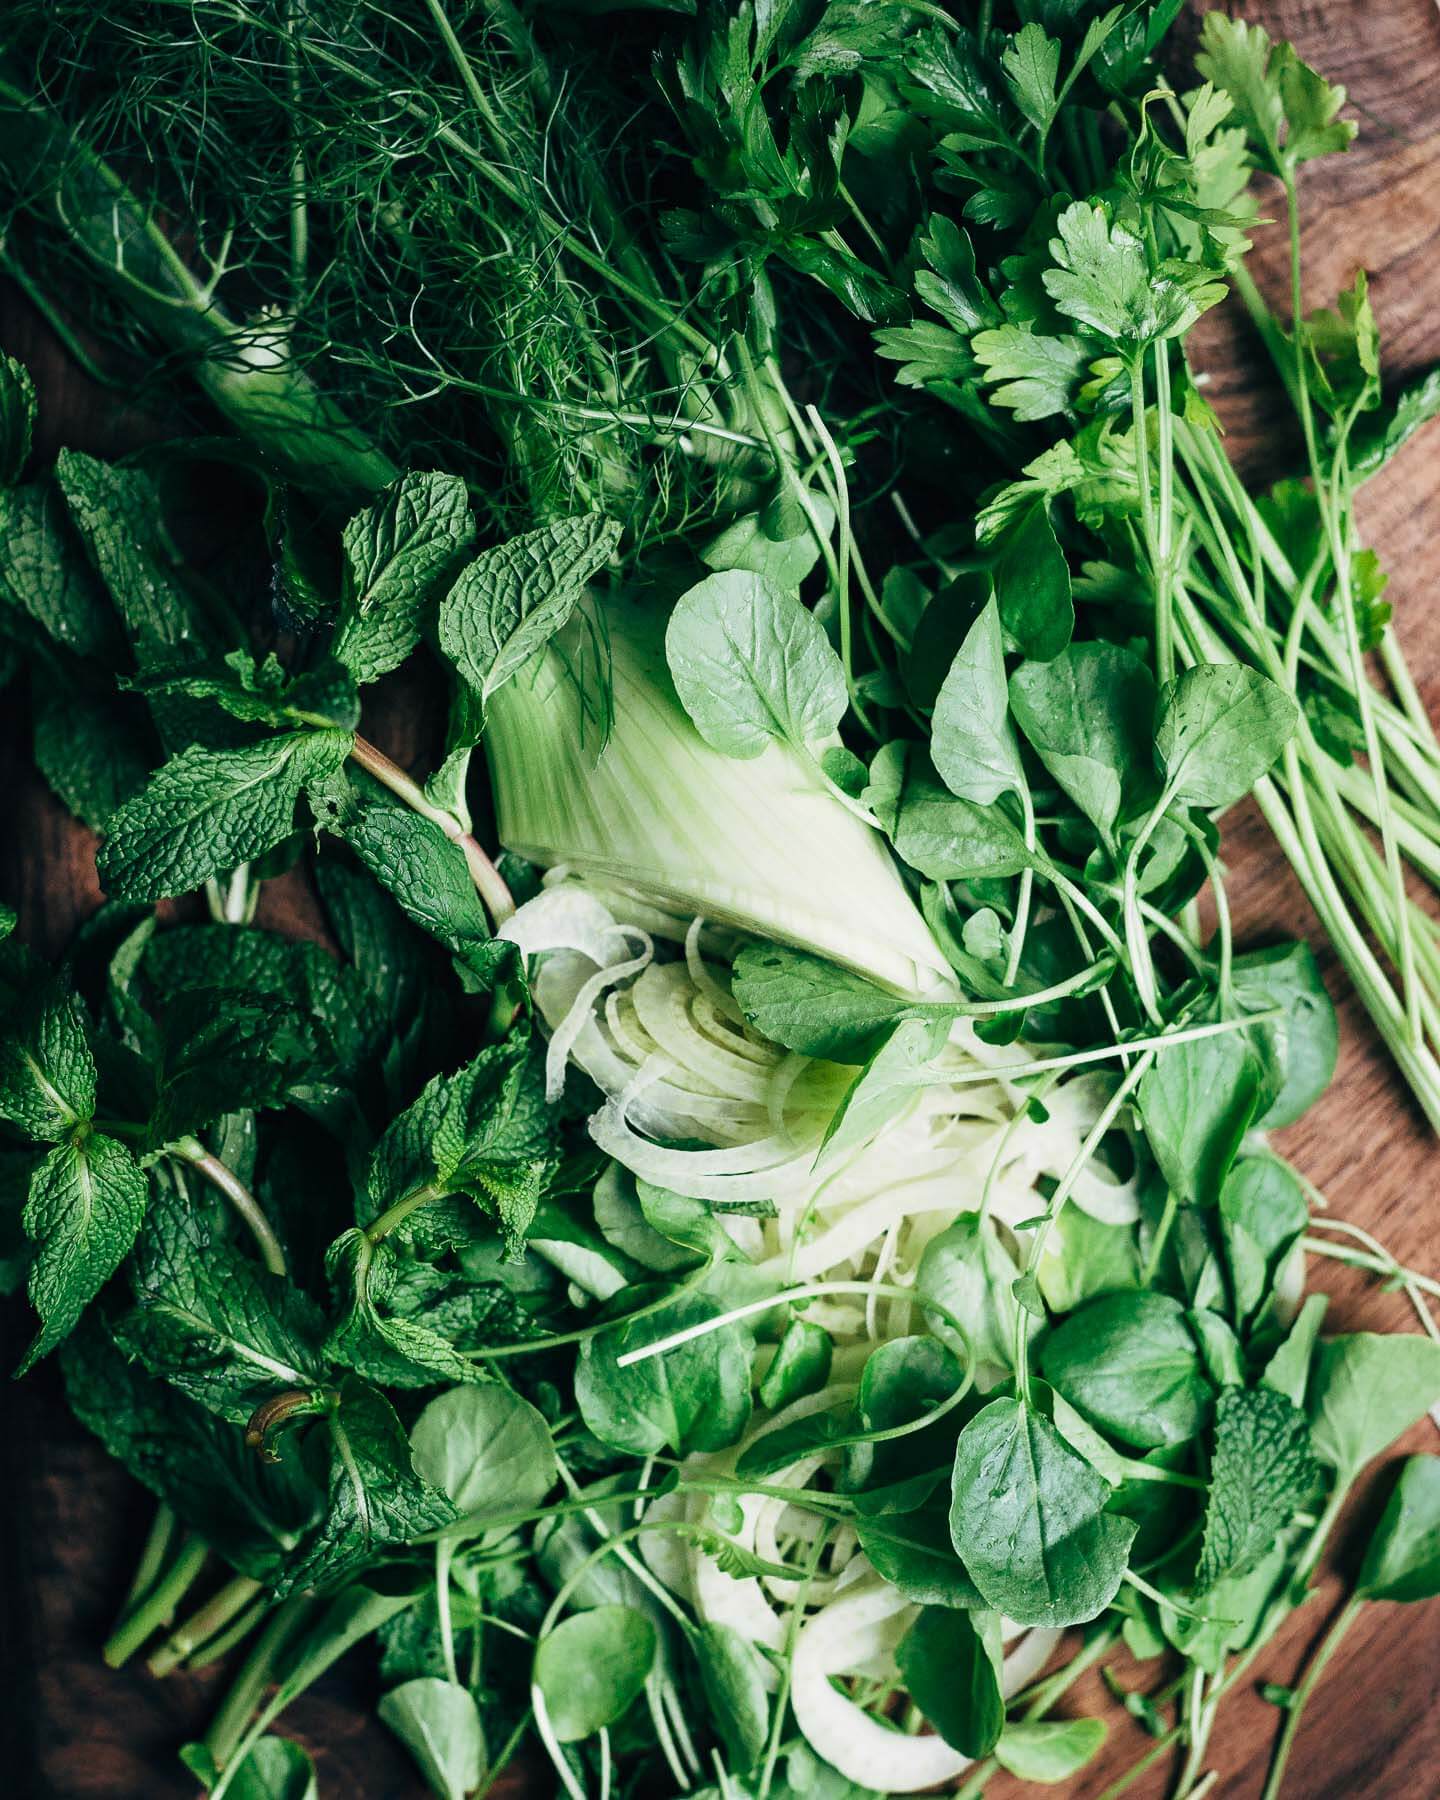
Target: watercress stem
{"x":1295,"y":1712}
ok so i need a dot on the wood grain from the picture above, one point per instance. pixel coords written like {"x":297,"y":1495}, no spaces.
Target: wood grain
{"x":70,"y":1728}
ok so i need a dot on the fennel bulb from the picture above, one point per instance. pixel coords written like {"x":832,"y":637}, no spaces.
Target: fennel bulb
{"x":599,"y":770}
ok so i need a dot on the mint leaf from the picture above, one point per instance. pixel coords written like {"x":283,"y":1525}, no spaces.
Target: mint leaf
{"x":423,"y":868}
{"x":208,"y":811}
{"x":17,"y":419}
{"x":323,"y":696}
{"x":86,"y":1202}
{"x":47,"y":1071}
{"x":44,"y":575}
{"x":400,"y":1352}
{"x":95,"y":749}
{"x":398,"y":553}
{"x":226,"y":1051}
{"x":374,"y":1499}
{"x":117,"y":514}
{"x":251,"y":1511}
{"x":209,"y":1320}
{"x":511,"y":600}
{"x":1262,"y":1473}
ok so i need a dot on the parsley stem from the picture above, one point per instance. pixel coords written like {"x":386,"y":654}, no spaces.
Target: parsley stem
{"x":201,"y":1626}
{"x":192,"y":1151}
{"x":489,"y":883}
{"x":159,"y":1606}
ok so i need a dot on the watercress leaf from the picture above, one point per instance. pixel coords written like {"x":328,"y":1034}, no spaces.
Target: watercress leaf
{"x":1262,"y":1215}
{"x":399,"y":552}
{"x":591,"y":1667}
{"x":733,"y":1677}
{"x":972,"y":742}
{"x":1129,"y":1363}
{"x":439,"y":1723}
{"x":17,"y":419}
{"x":694,"y":1397}
{"x":1221,"y":726}
{"x":512,"y":599}
{"x":1365,"y":1389}
{"x":374,"y":1497}
{"x":1049,"y":1749}
{"x":118,"y":516}
{"x":886,"y":1084}
{"x":209,"y":1320}
{"x":912,"y":1550}
{"x":751,"y":664}
{"x":273,"y":1769}
{"x":1262,"y":1473}
{"x":1028,"y":1520}
{"x":207,"y":811}
{"x":940,"y":835}
{"x":1288,"y":1370}
{"x":44,"y":575}
{"x":810,"y":1005}
{"x":784,"y":559}
{"x":86,"y":1202}
{"x":1032,"y":585}
{"x":487,"y":1449}
{"x":800,"y":1365}
{"x":1287,"y":976}
{"x":1197,"y":1100}
{"x":1088,"y":714}
{"x":1402,"y":1559}
{"x":47,"y":1068}
{"x":949,"y":1663}
{"x":1085,"y":1257}
{"x":968,"y":1271}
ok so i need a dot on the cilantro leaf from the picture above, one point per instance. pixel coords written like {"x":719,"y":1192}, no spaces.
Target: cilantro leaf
{"x":1102,"y":279}
{"x":1037,"y":375}
{"x":207,"y":811}
{"x":511,"y":600}
{"x":86,"y":1202}
{"x":1262,"y":1474}
{"x":398,"y":554}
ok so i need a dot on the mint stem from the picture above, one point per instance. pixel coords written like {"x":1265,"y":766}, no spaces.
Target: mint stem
{"x":227,"y":1729}
{"x":159,"y":1606}
{"x":152,"y":1557}
{"x":489,"y":883}
{"x":192,"y":1151}
{"x":213,"y":1616}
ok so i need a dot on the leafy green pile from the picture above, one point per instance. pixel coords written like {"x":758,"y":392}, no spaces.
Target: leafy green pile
{"x":403,"y":1326}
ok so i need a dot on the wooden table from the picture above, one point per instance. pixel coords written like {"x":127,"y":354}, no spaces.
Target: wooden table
{"x":70,"y":1729}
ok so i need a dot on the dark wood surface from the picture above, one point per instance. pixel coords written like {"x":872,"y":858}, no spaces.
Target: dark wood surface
{"x":73,"y":1523}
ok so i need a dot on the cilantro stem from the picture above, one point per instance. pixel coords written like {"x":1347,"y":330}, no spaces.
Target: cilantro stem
{"x":201,"y":1626}
{"x":192,"y":1151}
{"x":489,"y":883}
{"x":159,"y":1606}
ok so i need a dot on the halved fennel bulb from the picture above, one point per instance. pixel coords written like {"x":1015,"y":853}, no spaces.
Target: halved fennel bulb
{"x":596,"y":767}
{"x":639,"y":998}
